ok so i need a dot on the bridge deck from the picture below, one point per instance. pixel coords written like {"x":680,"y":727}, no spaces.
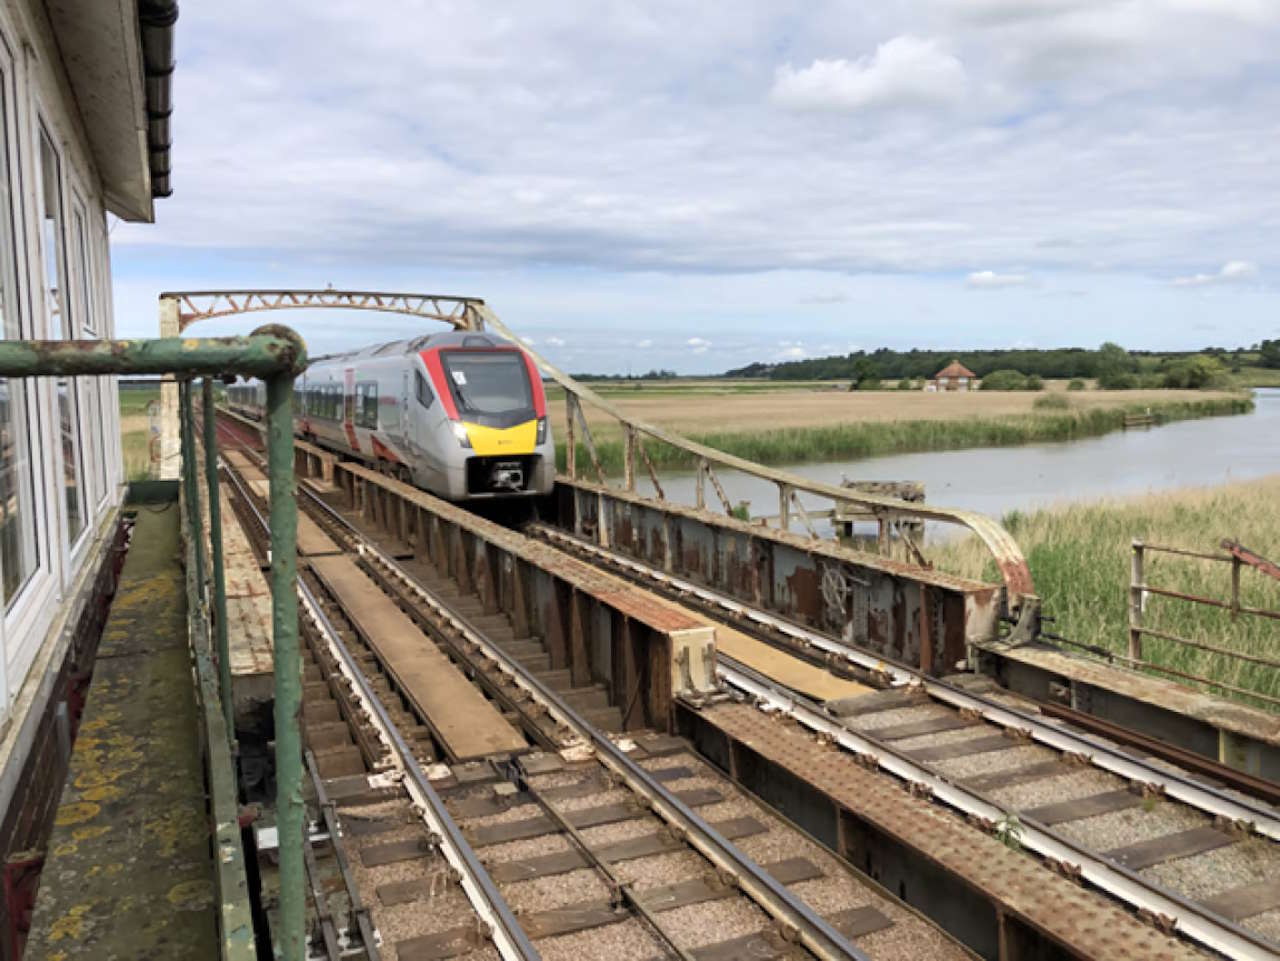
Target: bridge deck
{"x":128,"y":871}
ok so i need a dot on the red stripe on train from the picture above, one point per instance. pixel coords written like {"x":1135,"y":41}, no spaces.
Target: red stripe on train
{"x":535,"y":384}
{"x":432,"y":359}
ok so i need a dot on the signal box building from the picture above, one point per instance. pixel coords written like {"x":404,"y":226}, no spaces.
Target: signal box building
{"x":84,"y":137}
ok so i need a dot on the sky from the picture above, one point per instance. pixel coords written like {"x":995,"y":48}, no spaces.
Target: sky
{"x":698,"y":186}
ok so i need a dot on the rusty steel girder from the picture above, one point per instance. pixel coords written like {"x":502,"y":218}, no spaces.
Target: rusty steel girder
{"x":913,"y":615}
{"x":596,"y":627}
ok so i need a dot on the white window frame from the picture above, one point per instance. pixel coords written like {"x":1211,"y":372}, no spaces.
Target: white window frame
{"x":71,"y":551}
{"x":88,"y":326}
{"x":101,"y":241}
{"x":25,"y":623}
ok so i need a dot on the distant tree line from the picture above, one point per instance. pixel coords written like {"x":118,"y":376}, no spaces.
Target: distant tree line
{"x":1269,"y":353}
{"x":1111,"y":364}
{"x":662,"y":374}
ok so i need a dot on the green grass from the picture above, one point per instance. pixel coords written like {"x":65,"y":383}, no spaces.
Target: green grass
{"x":678,"y":388}
{"x":135,"y":437}
{"x":852,"y":441}
{"x":1258,"y":377}
{"x":1080,"y":556}
{"x":134,"y":400}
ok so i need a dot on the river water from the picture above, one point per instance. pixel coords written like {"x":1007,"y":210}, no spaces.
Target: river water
{"x":995,"y":480}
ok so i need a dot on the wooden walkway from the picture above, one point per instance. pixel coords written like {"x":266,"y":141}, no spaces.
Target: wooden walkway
{"x":466,"y":723}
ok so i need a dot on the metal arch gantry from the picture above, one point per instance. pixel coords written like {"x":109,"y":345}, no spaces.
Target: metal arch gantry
{"x":194,"y":305}
{"x":178,"y":309}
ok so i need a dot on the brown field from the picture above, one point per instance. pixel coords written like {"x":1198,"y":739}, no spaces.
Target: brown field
{"x":706,"y":411}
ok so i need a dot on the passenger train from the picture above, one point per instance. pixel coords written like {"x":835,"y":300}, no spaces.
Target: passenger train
{"x":460,"y":414}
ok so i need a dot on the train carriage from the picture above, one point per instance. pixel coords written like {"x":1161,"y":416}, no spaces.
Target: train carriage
{"x":460,"y":414}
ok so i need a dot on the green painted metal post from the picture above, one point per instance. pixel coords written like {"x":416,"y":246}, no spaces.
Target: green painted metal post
{"x":276,"y":354}
{"x":288,"y":667}
{"x":219,"y":574}
{"x":188,"y":441}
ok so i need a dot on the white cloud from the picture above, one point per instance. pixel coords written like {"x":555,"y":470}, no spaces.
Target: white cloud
{"x":905,"y":71}
{"x":990,"y":280}
{"x":555,"y":341}
{"x":670,"y":178}
{"x":795,"y":352}
{"x":1232,"y":272}
{"x":530,"y":341}
{"x":644,"y":344}
{"x":698,"y":345}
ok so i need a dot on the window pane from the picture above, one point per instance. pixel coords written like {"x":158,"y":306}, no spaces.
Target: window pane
{"x":19,"y":548}
{"x":59,"y":325}
{"x":84,"y":289}
{"x":490,"y":382}
{"x":96,"y":388}
{"x":18,"y":556}
{"x":51,"y":238}
{"x":425,"y":397}
{"x":69,"y":421}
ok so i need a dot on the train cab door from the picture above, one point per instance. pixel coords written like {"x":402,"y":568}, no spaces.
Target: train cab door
{"x":426,"y":419}
{"x":405,"y":429}
{"x":349,"y":407}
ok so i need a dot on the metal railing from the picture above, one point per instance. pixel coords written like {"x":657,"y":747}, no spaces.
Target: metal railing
{"x":891,"y":512}
{"x":1238,"y":557}
{"x":276,"y":355}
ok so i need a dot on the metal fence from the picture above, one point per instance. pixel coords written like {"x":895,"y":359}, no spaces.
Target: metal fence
{"x":276,"y":355}
{"x":1238,"y":558}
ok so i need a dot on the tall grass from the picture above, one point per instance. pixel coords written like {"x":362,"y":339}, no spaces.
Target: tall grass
{"x":135,"y":431}
{"x":873,"y":438}
{"x":1080,"y":554}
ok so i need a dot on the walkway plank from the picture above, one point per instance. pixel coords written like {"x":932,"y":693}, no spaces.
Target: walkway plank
{"x":467,"y":725}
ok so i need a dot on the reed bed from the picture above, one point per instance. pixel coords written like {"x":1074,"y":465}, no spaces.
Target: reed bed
{"x":853,"y":440}
{"x":1080,"y":558}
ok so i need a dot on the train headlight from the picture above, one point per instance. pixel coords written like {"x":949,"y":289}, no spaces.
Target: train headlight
{"x":542,"y":431}
{"x":460,"y":432}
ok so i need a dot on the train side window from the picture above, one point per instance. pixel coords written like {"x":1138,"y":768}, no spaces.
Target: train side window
{"x":366,"y":401}
{"x":420,"y":387}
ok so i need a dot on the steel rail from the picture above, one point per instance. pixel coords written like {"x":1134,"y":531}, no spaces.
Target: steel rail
{"x":622,"y":890}
{"x":1192,"y":920}
{"x":1260,"y":787}
{"x":1263,"y":819}
{"x":812,"y":931}
{"x":554,"y":706}
{"x":508,"y":937}
{"x":359,"y":912}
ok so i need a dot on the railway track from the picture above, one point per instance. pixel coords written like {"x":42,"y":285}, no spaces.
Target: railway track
{"x":554,"y":840}
{"x":1198,"y":858}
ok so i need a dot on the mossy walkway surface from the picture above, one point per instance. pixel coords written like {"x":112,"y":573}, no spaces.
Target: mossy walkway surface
{"x":128,"y":872}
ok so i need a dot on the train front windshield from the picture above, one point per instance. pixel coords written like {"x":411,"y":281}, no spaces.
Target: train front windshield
{"x":488,"y":382}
